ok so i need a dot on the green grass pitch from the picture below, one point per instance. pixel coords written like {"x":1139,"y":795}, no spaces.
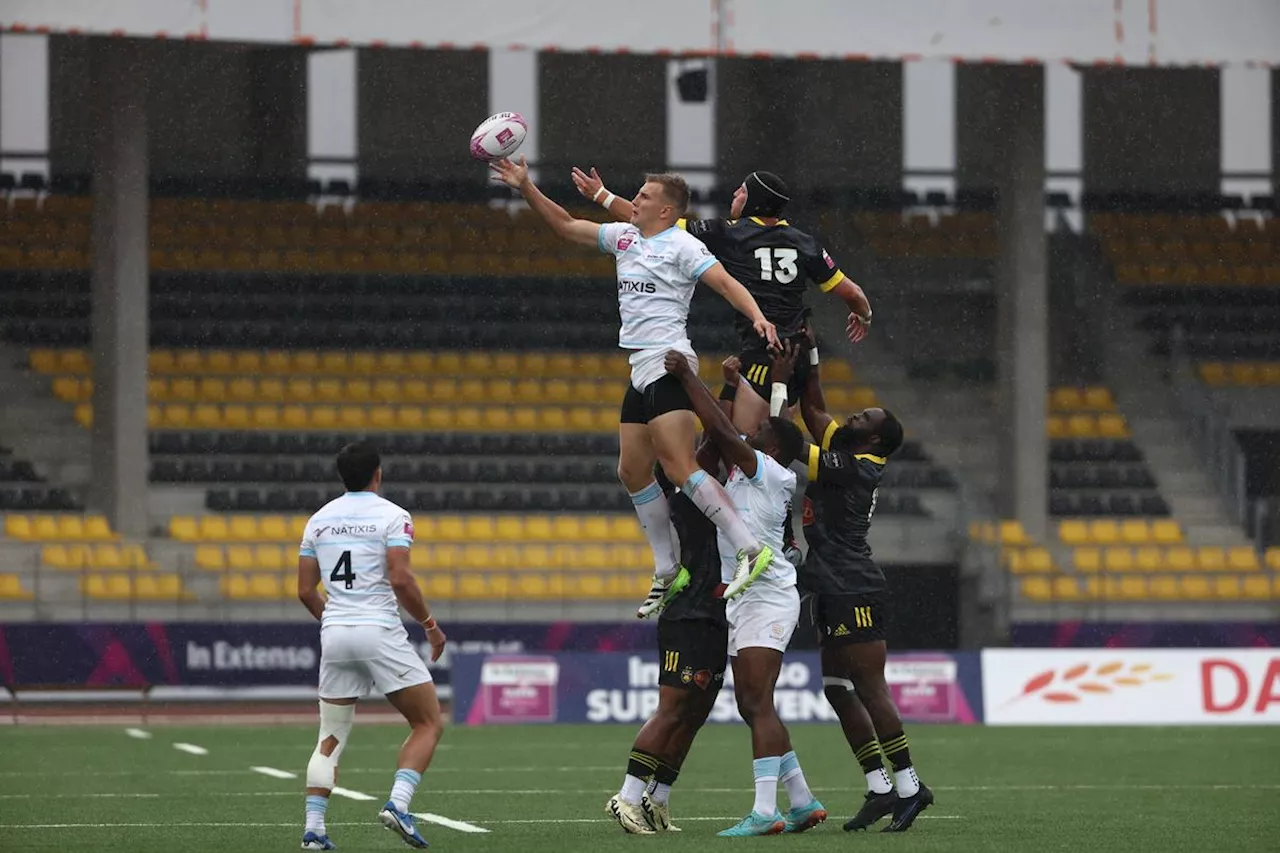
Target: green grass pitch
{"x":541,"y":789}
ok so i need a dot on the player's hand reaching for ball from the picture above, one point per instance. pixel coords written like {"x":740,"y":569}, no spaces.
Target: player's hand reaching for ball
{"x":732,"y":368}
{"x":588,"y":185}
{"x":512,"y":174}
{"x":768,"y":331}
{"x":857,"y":327}
{"x":676,"y":363}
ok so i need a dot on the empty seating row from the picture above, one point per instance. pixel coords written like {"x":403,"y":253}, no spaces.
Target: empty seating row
{"x":1094,"y":450}
{"x":1178,"y":558}
{"x":104,"y":555}
{"x":17,"y":471}
{"x":1070,"y":503}
{"x":1087,"y":425}
{"x":65,"y":528}
{"x":427,"y":528}
{"x":1069,"y":589}
{"x":1259,"y":250}
{"x":1190,"y":225}
{"x":1131,"y":531}
{"x":1100,"y":476}
{"x":154,"y":587}
{"x":376,"y":418}
{"x":167,"y":442}
{"x":1068,"y":399}
{"x":448,"y":557}
{"x":591,"y":391}
{"x":396,"y":364}
{"x":38,"y":499}
{"x":931,"y":245}
{"x":469,"y":586}
{"x":1188,"y":274}
{"x":1241,"y":373}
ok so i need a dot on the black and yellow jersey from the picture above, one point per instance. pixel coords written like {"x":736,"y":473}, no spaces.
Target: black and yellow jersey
{"x":839,"y":502}
{"x":776,"y":263}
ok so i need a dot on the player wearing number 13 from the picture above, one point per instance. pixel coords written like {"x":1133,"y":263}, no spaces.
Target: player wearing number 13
{"x":357,"y":545}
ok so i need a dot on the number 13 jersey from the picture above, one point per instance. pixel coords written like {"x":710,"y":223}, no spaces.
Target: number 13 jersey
{"x":774,"y":262}
{"x":349,"y":537}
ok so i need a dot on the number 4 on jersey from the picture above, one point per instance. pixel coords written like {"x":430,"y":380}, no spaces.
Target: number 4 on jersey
{"x":778,"y":264}
{"x":342,"y":571}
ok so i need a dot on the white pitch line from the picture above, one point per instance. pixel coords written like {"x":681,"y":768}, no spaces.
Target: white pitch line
{"x":461,"y":826}
{"x":191,"y":748}
{"x":352,"y":795}
{"x":128,"y":796}
{"x":138,"y":733}
{"x":229,"y":825}
{"x":274,"y":773}
{"x":682,"y":818}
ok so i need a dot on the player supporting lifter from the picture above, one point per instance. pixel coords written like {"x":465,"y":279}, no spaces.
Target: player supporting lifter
{"x":362,"y":542}
{"x":693,"y":639}
{"x":658,"y":267}
{"x":848,"y":595}
{"x":763,"y":618}
{"x":775,"y":261}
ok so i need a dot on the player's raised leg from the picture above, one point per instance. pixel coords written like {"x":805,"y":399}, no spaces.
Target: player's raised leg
{"x":420,"y":707}
{"x":336,"y":719}
{"x":673,"y":434}
{"x":635,"y":469}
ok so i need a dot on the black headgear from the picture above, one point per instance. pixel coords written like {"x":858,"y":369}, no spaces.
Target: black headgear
{"x":766,"y":195}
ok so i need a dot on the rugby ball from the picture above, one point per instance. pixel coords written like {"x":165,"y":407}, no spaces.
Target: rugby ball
{"x":498,"y":136}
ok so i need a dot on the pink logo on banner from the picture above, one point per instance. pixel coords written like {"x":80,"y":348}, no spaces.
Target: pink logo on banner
{"x":926,"y":689}
{"x":624,"y":242}
{"x":516,"y":690}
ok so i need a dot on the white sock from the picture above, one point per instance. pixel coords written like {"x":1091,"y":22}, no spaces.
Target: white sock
{"x":710,"y":497}
{"x":878,"y":781}
{"x":316,"y":807}
{"x":765,"y":771}
{"x":654,"y":511}
{"x":402,"y":791}
{"x":633,"y":788}
{"x":792,"y":778}
{"x":907,"y":782}
{"x":661,"y":793}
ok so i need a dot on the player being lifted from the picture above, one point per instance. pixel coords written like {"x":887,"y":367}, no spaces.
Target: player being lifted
{"x":693,"y":641}
{"x":775,"y":261}
{"x":762,"y":619}
{"x":658,"y":267}
{"x":848,"y":594}
{"x":358,"y":546}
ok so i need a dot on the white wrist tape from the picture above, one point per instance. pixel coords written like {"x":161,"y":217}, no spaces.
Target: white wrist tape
{"x":777,"y":399}
{"x":608,"y":200}
{"x":596,"y":197}
{"x":813,"y":355}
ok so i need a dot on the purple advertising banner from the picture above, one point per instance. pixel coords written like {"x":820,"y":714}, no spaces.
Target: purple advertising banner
{"x":253,"y":653}
{"x":1145,"y":635}
{"x":581,"y":687}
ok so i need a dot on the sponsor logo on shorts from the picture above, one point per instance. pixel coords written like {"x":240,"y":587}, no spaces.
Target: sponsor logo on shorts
{"x":842,"y":630}
{"x":686,"y":675}
{"x":703,"y":678}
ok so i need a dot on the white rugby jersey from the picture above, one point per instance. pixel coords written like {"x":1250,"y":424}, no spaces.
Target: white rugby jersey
{"x":349,"y":537}
{"x":762,"y":503}
{"x":656,"y":278}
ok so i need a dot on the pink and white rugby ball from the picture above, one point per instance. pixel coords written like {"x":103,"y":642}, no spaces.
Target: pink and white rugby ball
{"x":498,"y":136}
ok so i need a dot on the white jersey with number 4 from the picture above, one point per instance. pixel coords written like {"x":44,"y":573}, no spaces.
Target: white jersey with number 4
{"x":762,"y":502}
{"x":656,"y":278}
{"x":349,"y":537}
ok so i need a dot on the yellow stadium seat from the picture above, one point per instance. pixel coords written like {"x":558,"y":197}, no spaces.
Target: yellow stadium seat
{"x":1134,"y":531}
{"x":71,"y":527}
{"x":43,"y":360}
{"x":1011,"y":533}
{"x":1256,"y":587}
{"x":1163,"y":588}
{"x":1273,"y":559}
{"x":242,"y":389}
{"x":236,"y":416}
{"x":1117,"y":560}
{"x":210,"y":558}
{"x":1166,"y":532}
{"x":166,"y":587}
{"x":239,"y":558}
{"x":1037,"y":589}
{"x":1131,"y":588}
{"x":322,"y":417}
{"x":568,"y":528}
{"x":1104,"y":531}
{"x":304,"y":361}
{"x":1148,"y":559}
{"x":176,"y":416}
{"x":1227,"y":588}
{"x":1099,"y":399}
{"x":219,"y":361}
{"x":509,"y":527}
{"x":106,"y":556}
{"x":207,"y":416}
{"x":18,"y":526}
{"x":297,"y":527}
{"x":243,"y":528}
{"x":625,"y":528}
{"x":1211,"y":559}
{"x":1214,"y":373}
{"x":480,"y":528}
{"x":45,"y":527}
{"x":1065,"y":400}
{"x":273,"y":528}
{"x":301,"y":389}
{"x":1087,"y":559}
{"x":1179,"y":559}
{"x":539,"y":527}
{"x":60,"y":557}
{"x":67,"y":389}
{"x":596,"y":529}
{"x":267,"y":587}
{"x":109,"y":587}
{"x":1081,"y":426}
{"x":74,"y":361}
{"x":11,"y":588}
{"x":1066,"y":588}
{"x":1243,"y":559}
{"x":213,"y":528}
{"x":1195,"y":587}
{"x":353,"y":417}
{"x":265,"y":417}
{"x":330,"y":390}
{"x":84,"y":415}
{"x":212,"y":390}
{"x":269,"y":558}
{"x":1112,"y":426}
{"x":451,"y":528}
{"x":382,"y":418}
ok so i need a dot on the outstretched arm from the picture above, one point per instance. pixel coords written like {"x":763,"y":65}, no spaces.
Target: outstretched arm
{"x":732,"y":448}
{"x":574,"y":230}
{"x":592,"y":187}
{"x":718,"y":279}
{"x":855,"y":299}
{"x":813,"y":405}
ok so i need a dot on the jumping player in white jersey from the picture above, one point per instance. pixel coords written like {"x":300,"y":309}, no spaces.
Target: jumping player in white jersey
{"x":658,"y":268}
{"x":357,"y":545}
{"x":764,"y":614}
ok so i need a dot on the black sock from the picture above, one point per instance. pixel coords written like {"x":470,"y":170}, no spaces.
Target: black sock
{"x":868,"y":755}
{"x":642,"y":764}
{"x":665,"y":774}
{"x":895,"y":749}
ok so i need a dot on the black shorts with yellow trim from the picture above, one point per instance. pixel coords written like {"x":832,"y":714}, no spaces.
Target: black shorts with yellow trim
{"x":692,"y":654}
{"x":842,"y":619}
{"x":665,"y":394}
{"x":757,"y":371}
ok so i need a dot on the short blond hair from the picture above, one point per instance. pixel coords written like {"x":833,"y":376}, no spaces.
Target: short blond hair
{"x":674,"y":186}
